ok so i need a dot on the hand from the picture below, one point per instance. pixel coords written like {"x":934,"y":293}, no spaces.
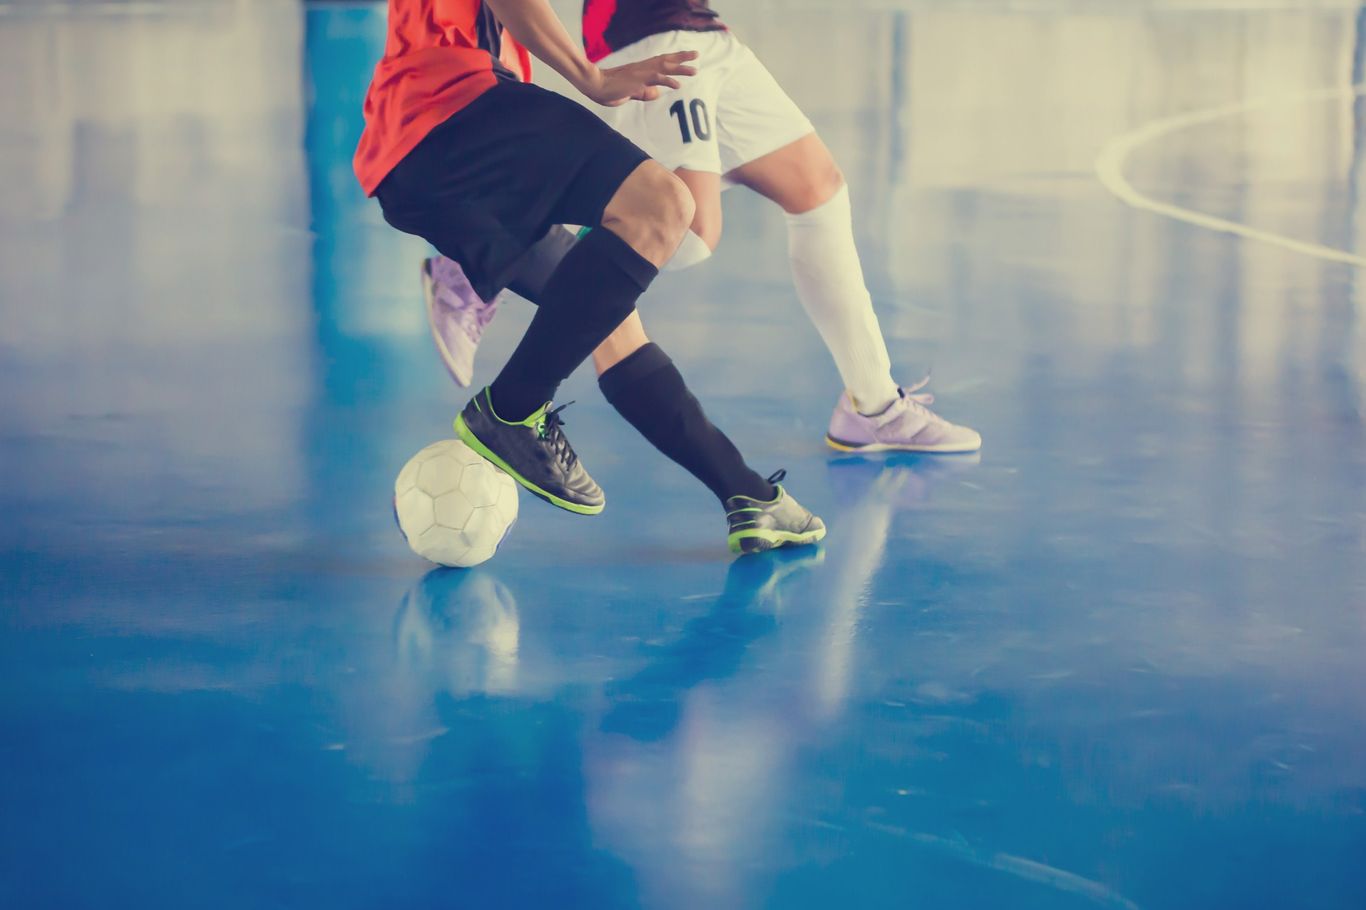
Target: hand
{"x":639,"y":81}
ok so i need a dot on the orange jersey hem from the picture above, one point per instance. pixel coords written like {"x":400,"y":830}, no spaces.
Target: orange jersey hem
{"x":381,"y":149}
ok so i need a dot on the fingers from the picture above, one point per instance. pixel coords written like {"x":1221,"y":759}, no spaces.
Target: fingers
{"x":674,"y":64}
{"x":642,"y":81}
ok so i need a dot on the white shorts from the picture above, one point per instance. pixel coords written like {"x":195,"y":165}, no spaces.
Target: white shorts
{"x":732,"y":112}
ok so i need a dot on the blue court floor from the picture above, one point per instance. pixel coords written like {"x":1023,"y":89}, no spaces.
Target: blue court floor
{"x":1116,"y":661}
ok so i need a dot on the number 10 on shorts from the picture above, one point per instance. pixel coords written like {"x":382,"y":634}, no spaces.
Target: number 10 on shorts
{"x":701,"y":120}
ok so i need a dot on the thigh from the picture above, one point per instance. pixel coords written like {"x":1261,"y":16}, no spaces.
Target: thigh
{"x":488,"y":184}
{"x":676,"y":129}
{"x":799,"y":177}
{"x":754,"y":115}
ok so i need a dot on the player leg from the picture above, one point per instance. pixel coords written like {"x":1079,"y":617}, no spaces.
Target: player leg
{"x":646,"y":388}
{"x":663,"y":408}
{"x":636,"y":377}
{"x":640,"y":380}
{"x":483,"y":188}
{"x":592,"y":291}
{"x":458,"y":316}
{"x":676,"y":130}
{"x":768,"y":145}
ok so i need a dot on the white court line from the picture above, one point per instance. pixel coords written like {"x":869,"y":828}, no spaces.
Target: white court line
{"x":1110,"y":170}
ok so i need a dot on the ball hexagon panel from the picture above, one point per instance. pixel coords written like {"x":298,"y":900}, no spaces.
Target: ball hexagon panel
{"x":506,"y":503}
{"x":440,"y":474}
{"x":484,"y":528}
{"x":453,"y":510}
{"x":443,"y":545}
{"x":480,"y":483}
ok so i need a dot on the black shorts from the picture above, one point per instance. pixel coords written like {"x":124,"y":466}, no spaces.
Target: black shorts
{"x":487,"y":184}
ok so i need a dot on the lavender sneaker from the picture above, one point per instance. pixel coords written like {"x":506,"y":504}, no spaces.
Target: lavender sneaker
{"x":907,"y":425}
{"x":456,"y":315}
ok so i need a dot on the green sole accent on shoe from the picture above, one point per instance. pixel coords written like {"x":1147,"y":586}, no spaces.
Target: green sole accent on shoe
{"x":467,"y":436}
{"x":761,"y":539}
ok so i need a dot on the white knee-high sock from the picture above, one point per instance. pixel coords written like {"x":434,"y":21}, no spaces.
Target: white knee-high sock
{"x":829,"y":279}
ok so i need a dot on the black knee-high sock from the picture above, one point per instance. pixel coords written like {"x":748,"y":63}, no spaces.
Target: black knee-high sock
{"x":592,"y":291}
{"x":647,"y":389}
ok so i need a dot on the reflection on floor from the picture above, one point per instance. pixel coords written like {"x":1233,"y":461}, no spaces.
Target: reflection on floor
{"x":1114,"y":661}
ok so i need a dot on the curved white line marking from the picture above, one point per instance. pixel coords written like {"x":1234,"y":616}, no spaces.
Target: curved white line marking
{"x":1110,"y":170}
{"x":1027,"y":869}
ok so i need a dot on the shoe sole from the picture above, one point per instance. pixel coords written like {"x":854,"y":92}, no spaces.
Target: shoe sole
{"x":744,"y":543}
{"x":840,"y":445}
{"x":466,"y":435}
{"x":447,"y":359}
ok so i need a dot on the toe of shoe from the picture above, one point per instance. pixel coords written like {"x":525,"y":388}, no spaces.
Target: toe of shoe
{"x":589,"y":493}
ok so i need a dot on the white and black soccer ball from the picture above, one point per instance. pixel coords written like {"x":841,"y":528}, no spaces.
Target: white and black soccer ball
{"x":453,"y":506}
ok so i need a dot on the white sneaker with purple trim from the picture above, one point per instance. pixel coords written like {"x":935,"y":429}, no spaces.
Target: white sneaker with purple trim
{"x":907,"y":425}
{"x":456,"y":314}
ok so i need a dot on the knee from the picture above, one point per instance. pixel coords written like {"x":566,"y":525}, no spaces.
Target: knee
{"x":707,"y":226}
{"x":674,"y":208}
{"x":820,"y":187}
{"x":652,"y":212}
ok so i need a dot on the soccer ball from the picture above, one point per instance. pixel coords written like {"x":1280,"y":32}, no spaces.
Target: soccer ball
{"x":452,"y":506}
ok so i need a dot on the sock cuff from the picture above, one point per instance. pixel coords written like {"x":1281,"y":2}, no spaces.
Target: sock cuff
{"x":634,"y":266}
{"x":648,"y":358}
{"x":836,"y":208}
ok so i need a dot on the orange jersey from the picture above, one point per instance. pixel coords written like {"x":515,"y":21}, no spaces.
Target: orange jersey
{"x":440,"y":56}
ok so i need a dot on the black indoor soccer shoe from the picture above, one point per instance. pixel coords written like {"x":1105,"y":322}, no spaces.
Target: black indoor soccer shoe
{"x":534,"y":452}
{"x":756,"y":526}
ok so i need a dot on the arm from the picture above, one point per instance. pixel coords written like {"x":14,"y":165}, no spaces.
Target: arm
{"x":534,"y":24}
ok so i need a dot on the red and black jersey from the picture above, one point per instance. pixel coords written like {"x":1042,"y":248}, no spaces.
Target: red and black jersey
{"x":439,"y":57}
{"x":610,"y":25}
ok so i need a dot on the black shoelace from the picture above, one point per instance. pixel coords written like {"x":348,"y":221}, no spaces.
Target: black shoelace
{"x":550,"y":432}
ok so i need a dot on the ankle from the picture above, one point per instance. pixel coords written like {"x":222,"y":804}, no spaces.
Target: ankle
{"x":874,"y":407}
{"x":512,"y":404}
{"x":755,"y":489}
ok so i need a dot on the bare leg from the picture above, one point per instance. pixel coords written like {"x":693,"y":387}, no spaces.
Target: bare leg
{"x":798,"y":177}
{"x":803,"y":179}
{"x":648,"y":210}
{"x":624,"y":341}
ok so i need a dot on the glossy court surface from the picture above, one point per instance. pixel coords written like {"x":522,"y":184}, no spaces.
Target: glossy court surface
{"x":1116,"y":661}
